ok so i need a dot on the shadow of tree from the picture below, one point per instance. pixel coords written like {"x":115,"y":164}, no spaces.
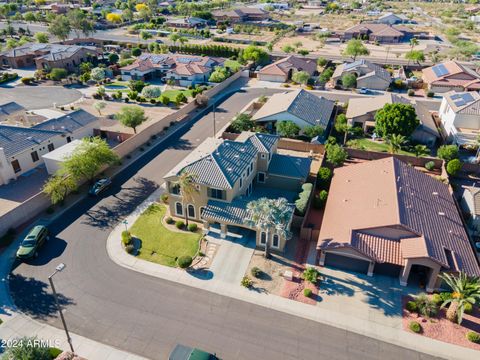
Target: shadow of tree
{"x":201,"y":273}
{"x":35,"y":298}
{"x":126,"y":200}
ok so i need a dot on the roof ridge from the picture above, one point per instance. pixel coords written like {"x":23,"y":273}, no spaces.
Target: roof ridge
{"x":219,"y":166}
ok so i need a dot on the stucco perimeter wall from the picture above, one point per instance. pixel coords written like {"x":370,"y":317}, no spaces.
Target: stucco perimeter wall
{"x":373,"y":155}
{"x":39,"y":203}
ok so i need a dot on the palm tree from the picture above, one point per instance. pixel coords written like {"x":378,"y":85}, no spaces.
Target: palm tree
{"x":188,"y":187}
{"x":413,"y":42}
{"x":270,"y":216}
{"x":464,"y":290}
{"x":420,"y":150}
{"x":395,"y":143}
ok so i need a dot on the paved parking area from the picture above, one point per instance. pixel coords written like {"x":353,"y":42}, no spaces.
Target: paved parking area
{"x":39,"y":97}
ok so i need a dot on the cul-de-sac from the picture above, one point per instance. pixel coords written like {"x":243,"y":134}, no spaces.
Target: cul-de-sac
{"x":239,"y":180}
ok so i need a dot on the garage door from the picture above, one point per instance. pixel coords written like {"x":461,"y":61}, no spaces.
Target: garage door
{"x":346,"y":263}
{"x":387,"y":269}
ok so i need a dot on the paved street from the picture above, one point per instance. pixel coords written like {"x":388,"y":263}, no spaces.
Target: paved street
{"x":39,"y":97}
{"x":148,"y":316}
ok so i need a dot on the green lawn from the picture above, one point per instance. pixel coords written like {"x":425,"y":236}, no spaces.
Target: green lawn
{"x":172,"y":93}
{"x":369,"y":145}
{"x":233,"y":64}
{"x":159,"y":244}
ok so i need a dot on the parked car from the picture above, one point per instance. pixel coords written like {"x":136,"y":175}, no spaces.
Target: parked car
{"x":182,"y":352}
{"x":100,"y":186}
{"x":32,"y":242}
{"x":364,"y":91}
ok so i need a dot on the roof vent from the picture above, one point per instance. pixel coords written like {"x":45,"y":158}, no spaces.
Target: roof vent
{"x":435,"y":193}
{"x":441,"y":213}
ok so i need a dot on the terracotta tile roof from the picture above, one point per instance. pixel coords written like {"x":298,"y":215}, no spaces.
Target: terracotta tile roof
{"x":379,"y":196}
{"x":379,"y":29}
{"x":379,"y":248}
{"x":451,"y":73}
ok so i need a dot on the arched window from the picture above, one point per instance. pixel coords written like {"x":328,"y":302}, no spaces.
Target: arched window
{"x":275,"y":241}
{"x":263,"y":238}
{"x":179,"y":208}
{"x":191,"y":211}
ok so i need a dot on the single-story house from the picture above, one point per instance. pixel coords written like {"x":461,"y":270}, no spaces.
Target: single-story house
{"x":184,"y":70}
{"x":390,"y":18}
{"x":282,"y":70}
{"x":361,"y":112}
{"x":460,"y":117}
{"x":386,"y":217}
{"x":21,"y":148}
{"x":300,"y":106}
{"x":383,"y":33}
{"x":241,"y":14}
{"x":451,"y":76}
{"x":188,"y":22}
{"x":229,"y":174}
{"x":369,"y":75}
{"x":48,"y":56}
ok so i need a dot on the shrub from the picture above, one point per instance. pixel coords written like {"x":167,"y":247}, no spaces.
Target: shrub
{"x":454,"y":166}
{"x":129,"y":248}
{"x":411,"y":306}
{"x":164,"y":198}
{"x":468,"y":308}
{"x":426,"y":307}
{"x":307,"y":292}
{"x":302,"y":201}
{"x":411,"y":92}
{"x":184,"y":262}
{"x":430,"y":94}
{"x":437,"y":299}
{"x":192,"y":227}
{"x":54,"y":352}
{"x":323,"y":178}
{"x":415,"y":326}
{"x":57,"y":74}
{"x":311,"y":275}
{"x":255,"y":271}
{"x":246,"y":282}
{"x":169,"y":220}
{"x":126,"y":237}
{"x":448,"y":152}
{"x":473,"y":337}
{"x":430,"y":165}
{"x":27,"y":80}
{"x":179,"y":224}
{"x":445,"y":296}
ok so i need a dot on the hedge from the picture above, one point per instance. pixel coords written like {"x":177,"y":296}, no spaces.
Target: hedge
{"x":184,"y":261}
{"x":302,"y":201}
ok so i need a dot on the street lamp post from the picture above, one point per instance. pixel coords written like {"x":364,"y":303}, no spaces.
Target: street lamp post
{"x":59,"y":268}
{"x":125,"y":222}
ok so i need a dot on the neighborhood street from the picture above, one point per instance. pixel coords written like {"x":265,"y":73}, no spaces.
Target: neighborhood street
{"x":149,"y":316}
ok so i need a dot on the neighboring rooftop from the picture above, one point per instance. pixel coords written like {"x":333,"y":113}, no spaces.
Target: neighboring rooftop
{"x":364,"y":69}
{"x":361,"y":106}
{"x":467,"y":103}
{"x":313,"y":109}
{"x":389,"y":193}
{"x":51,"y":52}
{"x":452,"y":73}
{"x":292,"y":62}
{"x":289,"y":166}
{"x":63,"y":152}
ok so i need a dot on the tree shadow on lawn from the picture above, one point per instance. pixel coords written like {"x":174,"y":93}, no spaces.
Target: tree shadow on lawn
{"x":35,"y":298}
{"x":378,"y":297}
{"x":127,"y":199}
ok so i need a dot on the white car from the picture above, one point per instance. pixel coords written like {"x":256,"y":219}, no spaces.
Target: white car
{"x":363,"y":91}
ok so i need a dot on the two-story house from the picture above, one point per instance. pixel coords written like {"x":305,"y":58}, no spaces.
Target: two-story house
{"x":229,"y":174}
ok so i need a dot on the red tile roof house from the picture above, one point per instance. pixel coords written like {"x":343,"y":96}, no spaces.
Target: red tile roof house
{"x":383,"y":33}
{"x":243,"y":14}
{"x":282,"y":70}
{"x":185,"y":70}
{"x":386,"y":217}
{"x":451,"y":76}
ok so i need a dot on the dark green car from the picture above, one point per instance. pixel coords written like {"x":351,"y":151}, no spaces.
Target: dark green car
{"x":32,"y":242}
{"x":182,"y":352}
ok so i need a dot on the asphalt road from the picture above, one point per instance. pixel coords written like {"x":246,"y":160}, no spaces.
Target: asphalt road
{"x":148,"y":316}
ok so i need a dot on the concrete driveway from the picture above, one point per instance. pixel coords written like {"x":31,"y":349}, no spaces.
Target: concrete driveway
{"x":39,"y":97}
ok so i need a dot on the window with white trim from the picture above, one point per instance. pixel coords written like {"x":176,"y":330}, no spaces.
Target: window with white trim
{"x":275,"y":241}
{"x":263,"y":238}
{"x":179,"y":208}
{"x":191,"y":211}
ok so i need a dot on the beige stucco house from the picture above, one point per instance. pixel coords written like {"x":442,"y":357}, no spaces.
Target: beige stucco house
{"x":229,"y":174}
{"x":451,"y":76}
{"x":283,"y":69}
{"x":369,"y":75}
{"x":470,"y":203}
{"x":386,"y":217}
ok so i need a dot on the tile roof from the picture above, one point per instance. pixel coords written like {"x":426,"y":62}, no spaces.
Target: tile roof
{"x":283,"y":66}
{"x":378,"y":29}
{"x":475,"y":191}
{"x":467,"y":103}
{"x":220,"y":163}
{"x":447,"y":74}
{"x":289,"y":166}
{"x":313,"y":109}
{"x":236,"y":211}
{"x":69,"y":122}
{"x":364,"y":69}
{"x":10,"y":108}
{"x":386,"y":194}
{"x":51,"y":52}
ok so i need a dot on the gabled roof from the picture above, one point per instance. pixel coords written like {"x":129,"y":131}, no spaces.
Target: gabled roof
{"x":50,"y":52}
{"x":475,"y":191}
{"x":467,"y":103}
{"x":378,"y":29}
{"x":69,"y":122}
{"x":220,"y":163}
{"x":362,"y":106}
{"x":447,"y":74}
{"x":14,"y":139}
{"x":313,"y":109}
{"x":292,"y":62}
{"x":10,"y":108}
{"x":364,"y":68}
{"x":389,"y":193}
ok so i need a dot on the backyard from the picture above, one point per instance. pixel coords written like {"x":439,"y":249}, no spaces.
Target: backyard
{"x":370,"y":145}
{"x":158,"y":243}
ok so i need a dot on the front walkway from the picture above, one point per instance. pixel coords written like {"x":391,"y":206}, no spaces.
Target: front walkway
{"x":344,"y":317}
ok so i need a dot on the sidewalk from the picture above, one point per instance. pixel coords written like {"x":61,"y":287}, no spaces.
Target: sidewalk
{"x":225,"y":286}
